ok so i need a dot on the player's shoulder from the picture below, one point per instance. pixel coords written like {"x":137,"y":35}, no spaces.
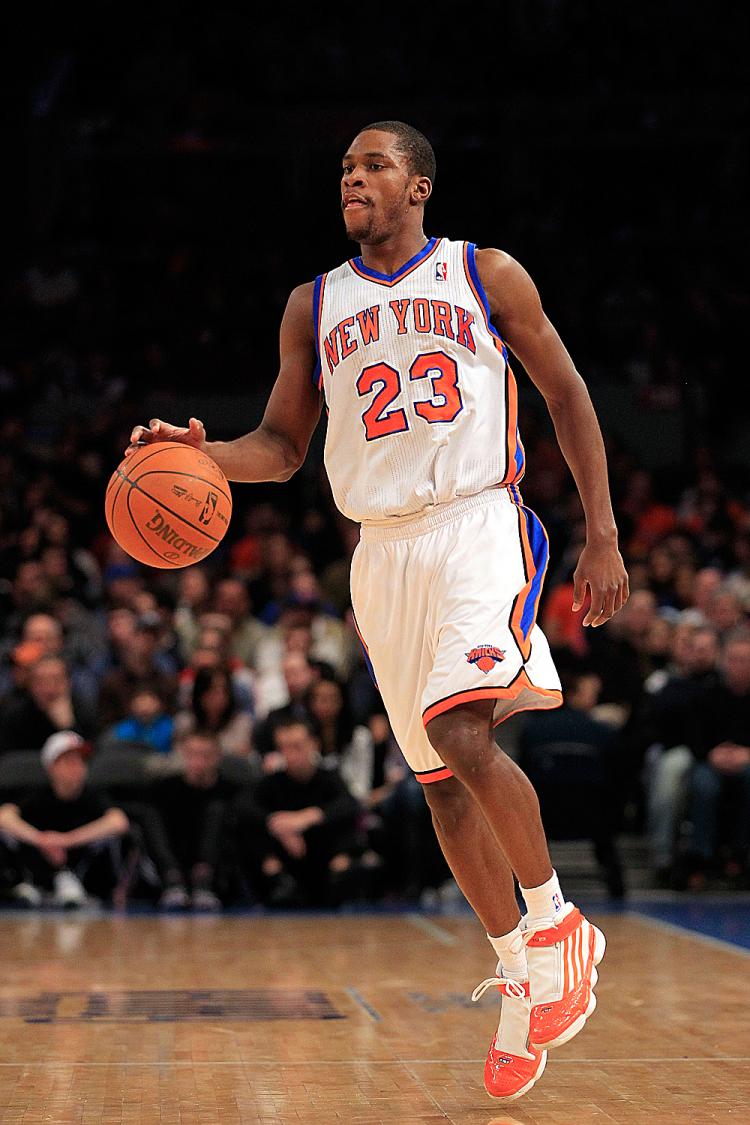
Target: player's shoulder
{"x":502,"y":276}
{"x":490,"y":259}
{"x":301,"y":294}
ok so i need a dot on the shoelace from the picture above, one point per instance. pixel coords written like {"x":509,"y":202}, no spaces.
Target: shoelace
{"x":528,"y":931}
{"x":510,"y":988}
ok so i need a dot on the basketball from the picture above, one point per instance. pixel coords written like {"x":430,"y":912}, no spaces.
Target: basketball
{"x":168,"y":505}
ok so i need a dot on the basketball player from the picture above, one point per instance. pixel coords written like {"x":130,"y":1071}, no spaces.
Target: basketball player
{"x":407,"y":345}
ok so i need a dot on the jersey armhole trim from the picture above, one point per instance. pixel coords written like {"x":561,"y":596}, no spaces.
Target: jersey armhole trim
{"x":317,"y":310}
{"x":475,"y":284}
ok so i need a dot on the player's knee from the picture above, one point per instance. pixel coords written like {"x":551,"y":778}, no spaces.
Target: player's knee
{"x":462,"y":737}
{"x":448,"y":802}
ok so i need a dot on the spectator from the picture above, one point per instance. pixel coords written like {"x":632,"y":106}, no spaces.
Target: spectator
{"x":119,"y":635}
{"x":706,"y":583}
{"x":232,"y":599}
{"x":62,"y":832}
{"x":214,"y":707}
{"x":187,"y":830}
{"x":593,"y":796}
{"x":667,"y":731}
{"x":351,"y":749}
{"x":298,"y":675}
{"x":720,"y":741}
{"x":299,"y":823}
{"x":193,"y":598}
{"x":724,"y":610}
{"x":46,"y":633}
{"x":141,"y":667}
{"x":146,"y":722}
{"x":47,"y":705}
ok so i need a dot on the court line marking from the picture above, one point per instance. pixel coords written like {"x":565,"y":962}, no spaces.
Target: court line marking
{"x":437,"y":933}
{"x":358,"y":998}
{"x":365,"y":1062}
{"x":684,"y":931}
{"x":424,"y":1088}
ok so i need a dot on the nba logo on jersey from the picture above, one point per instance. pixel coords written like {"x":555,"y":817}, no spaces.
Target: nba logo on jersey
{"x":441,"y":271}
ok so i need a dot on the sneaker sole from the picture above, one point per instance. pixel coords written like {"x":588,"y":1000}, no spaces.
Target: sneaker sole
{"x":524,"y":1089}
{"x":600,"y":946}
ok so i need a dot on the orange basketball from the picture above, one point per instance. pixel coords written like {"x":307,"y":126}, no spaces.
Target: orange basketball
{"x":168,"y":505}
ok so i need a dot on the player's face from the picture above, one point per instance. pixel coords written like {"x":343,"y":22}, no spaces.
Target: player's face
{"x":376,"y":187}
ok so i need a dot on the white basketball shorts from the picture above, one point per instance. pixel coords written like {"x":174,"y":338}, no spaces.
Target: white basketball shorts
{"x":445,"y":605}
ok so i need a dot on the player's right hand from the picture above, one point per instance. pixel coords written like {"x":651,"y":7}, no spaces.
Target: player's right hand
{"x":193,"y":434}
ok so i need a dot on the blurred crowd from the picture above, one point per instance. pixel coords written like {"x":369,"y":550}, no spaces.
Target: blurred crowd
{"x":212,"y":736}
{"x":230,"y":735}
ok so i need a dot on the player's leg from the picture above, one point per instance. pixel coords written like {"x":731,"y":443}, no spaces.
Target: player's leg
{"x":473,"y":855}
{"x":484,"y":875}
{"x":463,"y":740}
{"x":563,"y":947}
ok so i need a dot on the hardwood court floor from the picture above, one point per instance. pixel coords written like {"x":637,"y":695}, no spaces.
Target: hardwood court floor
{"x":356,"y":1019}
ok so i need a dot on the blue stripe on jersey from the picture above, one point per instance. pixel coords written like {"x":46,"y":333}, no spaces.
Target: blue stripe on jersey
{"x":540,"y":551}
{"x":471,"y":258}
{"x":519,"y":452}
{"x":317,"y":294}
{"x":402,"y":269}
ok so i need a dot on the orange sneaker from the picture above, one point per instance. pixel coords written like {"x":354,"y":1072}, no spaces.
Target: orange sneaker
{"x":562,"y":960}
{"x":512,"y":1065}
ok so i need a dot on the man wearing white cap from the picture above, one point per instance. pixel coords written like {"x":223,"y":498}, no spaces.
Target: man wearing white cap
{"x":61,"y":827}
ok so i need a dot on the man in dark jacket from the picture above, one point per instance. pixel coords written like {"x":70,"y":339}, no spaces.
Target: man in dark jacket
{"x":720,"y":741}
{"x":299,"y":823}
{"x":187,"y":827}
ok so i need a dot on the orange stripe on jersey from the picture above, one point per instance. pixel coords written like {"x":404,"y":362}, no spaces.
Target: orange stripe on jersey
{"x":511,"y":471}
{"x":478,"y":298}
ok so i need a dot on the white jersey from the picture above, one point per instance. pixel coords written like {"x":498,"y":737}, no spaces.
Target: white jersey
{"x":422,"y":402}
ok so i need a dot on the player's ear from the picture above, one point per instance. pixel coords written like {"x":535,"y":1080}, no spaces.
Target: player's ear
{"x":421,"y":189}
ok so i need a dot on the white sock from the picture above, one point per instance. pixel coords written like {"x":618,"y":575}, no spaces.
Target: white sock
{"x":511,"y":953}
{"x":544,"y":902}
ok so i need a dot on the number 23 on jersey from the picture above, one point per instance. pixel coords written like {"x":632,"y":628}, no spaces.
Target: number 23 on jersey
{"x":444,"y":405}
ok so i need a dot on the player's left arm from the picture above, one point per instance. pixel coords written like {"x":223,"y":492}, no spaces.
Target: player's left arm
{"x":517,"y":313}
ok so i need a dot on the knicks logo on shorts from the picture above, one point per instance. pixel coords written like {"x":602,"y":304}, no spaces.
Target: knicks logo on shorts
{"x":485,"y":657}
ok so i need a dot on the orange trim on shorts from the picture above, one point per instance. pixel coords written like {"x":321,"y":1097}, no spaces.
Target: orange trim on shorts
{"x":512,"y":691}
{"x":426,"y":777}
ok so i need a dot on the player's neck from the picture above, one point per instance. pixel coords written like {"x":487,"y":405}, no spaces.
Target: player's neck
{"x":388,"y":257}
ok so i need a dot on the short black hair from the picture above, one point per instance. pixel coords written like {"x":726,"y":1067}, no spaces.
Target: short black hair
{"x":413,"y":144}
{"x":289,"y":721}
